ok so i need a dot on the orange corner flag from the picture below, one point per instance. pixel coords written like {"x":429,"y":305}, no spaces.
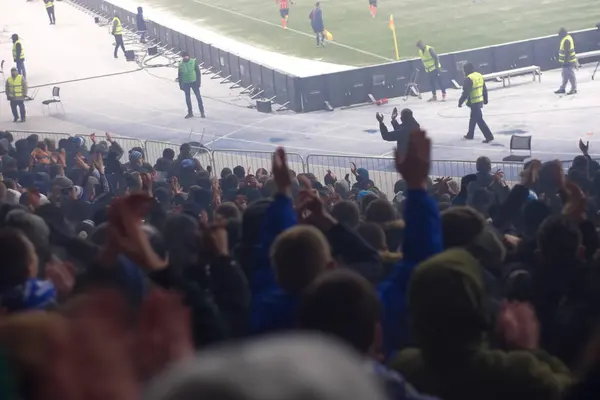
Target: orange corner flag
{"x":392,"y":25}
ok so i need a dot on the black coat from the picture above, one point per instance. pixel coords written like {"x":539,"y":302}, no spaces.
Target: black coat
{"x":316,"y":20}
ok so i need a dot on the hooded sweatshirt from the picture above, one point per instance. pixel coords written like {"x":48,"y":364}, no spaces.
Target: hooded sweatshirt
{"x":447,"y":305}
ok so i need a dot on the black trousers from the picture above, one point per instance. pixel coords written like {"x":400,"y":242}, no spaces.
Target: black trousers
{"x":477,"y":119}
{"x":435,"y":81}
{"x":119,"y":43}
{"x":190,"y":87}
{"x":320,"y":36}
{"x":21,"y":107}
{"x":50,"y":11}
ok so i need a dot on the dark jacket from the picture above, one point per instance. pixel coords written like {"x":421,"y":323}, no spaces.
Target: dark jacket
{"x":467,"y":87}
{"x":273,"y":309}
{"x":316,"y":20}
{"x":453,"y":360}
{"x":400,"y":132}
{"x":140,"y":20}
{"x":422,"y":239}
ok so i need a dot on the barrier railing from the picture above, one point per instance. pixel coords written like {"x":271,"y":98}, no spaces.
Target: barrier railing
{"x":252,"y":160}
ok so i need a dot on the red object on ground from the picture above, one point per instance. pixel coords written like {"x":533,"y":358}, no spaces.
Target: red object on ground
{"x":382,"y":101}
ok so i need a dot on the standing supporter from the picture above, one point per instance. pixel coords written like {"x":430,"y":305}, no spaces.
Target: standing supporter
{"x":316,"y":22}
{"x":358,"y":326}
{"x":453,"y":359}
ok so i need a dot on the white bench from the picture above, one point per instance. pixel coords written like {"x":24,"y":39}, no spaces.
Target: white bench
{"x":506,"y":75}
{"x":589,"y":54}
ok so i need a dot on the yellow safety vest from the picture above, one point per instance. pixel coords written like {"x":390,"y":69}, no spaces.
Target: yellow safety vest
{"x":22,"y":55}
{"x":571,"y":57}
{"x":49,"y":4}
{"x":476,"y":95}
{"x":119,"y":29}
{"x":15,"y":86}
{"x":428,"y":61}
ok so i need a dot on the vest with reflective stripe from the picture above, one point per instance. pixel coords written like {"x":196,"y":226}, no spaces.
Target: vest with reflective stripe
{"x":22,"y":55}
{"x":15,"y":86}
{"x":428,"y":61}
{"x":476,"y":95}
{"x":119,"y":28}
{"x":49,"y":4}
{"x":571,"y":57}
{"x":188,"y":71}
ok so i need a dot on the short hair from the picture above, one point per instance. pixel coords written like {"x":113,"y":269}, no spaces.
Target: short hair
{"x":483,"y":164}
{"x":229,"y":210}
{"x":343,"y":304}
{"x":298,"y":256}
{"x":366,"y":201}
{"x":468,"y":68}
{"x":373,"y":235}
{"x":168,"y":154}
{"x":461,"y":226}
{"x":559,"y":239}
{"x":406,"y":113}
{"x":346,"y":212}
{"x":185,"y":54}
{"x":239,"y":171}
{"x":17,"y":254}
{"x":230,"y":182}
{"x":380,"y":211}
{"x":225,"y":172}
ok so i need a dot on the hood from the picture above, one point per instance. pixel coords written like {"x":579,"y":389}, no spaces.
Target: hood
{"x":446,"y":303}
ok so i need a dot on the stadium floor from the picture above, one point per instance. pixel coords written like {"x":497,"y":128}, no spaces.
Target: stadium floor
{"x":147,"y":104}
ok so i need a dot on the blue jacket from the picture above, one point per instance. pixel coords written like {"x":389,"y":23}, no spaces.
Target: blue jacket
{"x":272,"y":308}
{"x":422,"y":239}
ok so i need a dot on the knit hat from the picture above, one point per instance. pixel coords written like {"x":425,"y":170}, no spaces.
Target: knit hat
{"x":363,"y":173}
{"x":62,"y":182}
{"x":292,"y":367}
{"x":134,"y":156}
{"x":188,"y":163}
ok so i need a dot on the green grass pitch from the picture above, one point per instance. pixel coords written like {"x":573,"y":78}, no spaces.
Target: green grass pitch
{"x":448,"y":25}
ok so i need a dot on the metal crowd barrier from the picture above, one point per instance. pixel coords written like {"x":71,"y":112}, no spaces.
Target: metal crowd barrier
{"x":381,"y":169}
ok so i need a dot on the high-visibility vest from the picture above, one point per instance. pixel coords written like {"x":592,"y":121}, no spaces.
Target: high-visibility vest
{"x":571,"y":57}
{"x":22,"y":55}
{"x":50,"y":4}
{"x":119,"y":28}
{"x":188,"y":71}
{"x":428,"y":61}
{"x":476,"y":95}
{"x":15,"y":86}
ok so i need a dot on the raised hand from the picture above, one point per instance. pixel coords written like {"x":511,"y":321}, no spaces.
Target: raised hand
{"x":281,"y":172}
{"x":415,"y":164}
{"x":584,"y":147}
{"x":518,"y":325}
{"x":379,"y":117}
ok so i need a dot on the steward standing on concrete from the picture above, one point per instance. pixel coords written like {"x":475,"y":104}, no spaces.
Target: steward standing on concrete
{"x":18,"y":54}
{"x":189,"y":80}
{"x":50,"y":10}
{"x":117,"y":31}
{"x":433,"y":68}
{"x":16,"y":92}
{"x":567,"y":58}
{"x":475,"y":94}
{"x":141,"y":24}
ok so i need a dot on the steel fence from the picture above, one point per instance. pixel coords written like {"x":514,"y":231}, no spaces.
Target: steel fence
{"x":41,"y":135}
{"x":252,"y":160}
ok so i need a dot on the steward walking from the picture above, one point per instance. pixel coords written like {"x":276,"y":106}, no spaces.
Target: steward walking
{"x":433,"y":69}
{"x":567,"y":58}
{"x":476,"y":96}
{"x":316,"y":22}
{"x":18,"y":54}
{"x":117,"y":32}
{"x":50,"y":10}
{"x":16,"y":92}
{"x":189,"y":80}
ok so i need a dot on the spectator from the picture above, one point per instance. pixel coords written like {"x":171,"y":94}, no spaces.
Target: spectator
{"x":401,"y":131}
{"x":346,"y":212}
{"x":383,"y":213}
{"x":450,"y":328}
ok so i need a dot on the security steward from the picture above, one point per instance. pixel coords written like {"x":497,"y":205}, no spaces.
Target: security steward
{"x":475,"y":94}
{"x":189,"y":80}
{"x":433,"y":68}
{"x":567,"y":58}
{"x":117,"y":31}
{"x":16,"y":92}
{"x":50,"y":10}
{"x":18,"y":54}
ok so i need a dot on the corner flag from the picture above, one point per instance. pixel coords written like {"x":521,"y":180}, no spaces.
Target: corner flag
{"x":393,"y":29}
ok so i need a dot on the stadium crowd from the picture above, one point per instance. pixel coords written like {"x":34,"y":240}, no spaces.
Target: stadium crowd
{"x":123,"y":280}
